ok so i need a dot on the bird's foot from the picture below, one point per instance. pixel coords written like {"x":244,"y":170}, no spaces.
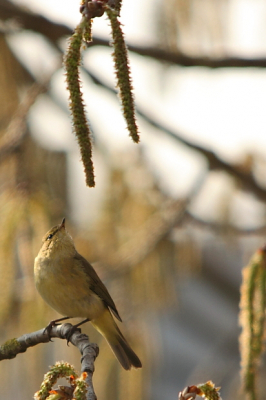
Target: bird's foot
{"x":70,"y":333}
{"x":51,"y":324}
{"x":74,"y":328}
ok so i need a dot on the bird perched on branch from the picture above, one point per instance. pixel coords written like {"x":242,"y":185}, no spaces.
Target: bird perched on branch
{"x":70,"y":285}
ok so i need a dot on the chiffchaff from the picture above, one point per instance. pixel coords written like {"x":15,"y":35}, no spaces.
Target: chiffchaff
{"x":70,"y":285}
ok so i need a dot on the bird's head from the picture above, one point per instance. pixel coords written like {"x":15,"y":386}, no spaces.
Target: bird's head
{"x":58,"y":241}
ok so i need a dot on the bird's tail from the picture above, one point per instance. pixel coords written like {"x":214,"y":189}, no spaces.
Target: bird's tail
{"x":106,"y":325}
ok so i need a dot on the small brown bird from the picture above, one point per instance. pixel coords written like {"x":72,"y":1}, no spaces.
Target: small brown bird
{"x":70,"y":285}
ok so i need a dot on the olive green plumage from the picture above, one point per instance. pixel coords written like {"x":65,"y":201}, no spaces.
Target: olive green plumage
{"x":70,"y":285}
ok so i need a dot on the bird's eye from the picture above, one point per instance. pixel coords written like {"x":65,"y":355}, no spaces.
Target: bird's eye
{"x":50,"y":236}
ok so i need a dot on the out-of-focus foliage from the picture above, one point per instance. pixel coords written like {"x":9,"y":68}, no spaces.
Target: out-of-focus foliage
{"x":32,"y":194}
{"x":252,"y":320}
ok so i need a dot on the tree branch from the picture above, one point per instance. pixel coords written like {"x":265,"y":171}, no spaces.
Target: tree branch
{"x":221,"y":228}
{"x":89,"y":351}
{"x":184,"y":60}
{"x":54,"y":31}
{"x":246,"y":179}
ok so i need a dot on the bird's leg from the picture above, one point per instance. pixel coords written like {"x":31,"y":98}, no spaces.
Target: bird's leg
{"x":74,"y":327}
{"x":53,"y":323}
{"x":81,"y":323}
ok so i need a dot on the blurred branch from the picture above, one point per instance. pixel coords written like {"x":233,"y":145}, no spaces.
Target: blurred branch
{"x":221,"y":228}
{"x":17,"y":129}
{"x":246,"y":179}
{"x":54,"y":31}
{"x":26,"y":19}
{"x":147,"y":238}
{"x":153,"y":231}
{"x":188,"y":61}
{"x":89,"y":351}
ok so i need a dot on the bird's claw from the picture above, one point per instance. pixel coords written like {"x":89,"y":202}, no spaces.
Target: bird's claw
{"x":51,"y":324}
{"x":70,"y":333}
{"x":48,"y":329}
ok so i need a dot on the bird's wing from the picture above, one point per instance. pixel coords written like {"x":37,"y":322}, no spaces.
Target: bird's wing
{"x":97,"y":286}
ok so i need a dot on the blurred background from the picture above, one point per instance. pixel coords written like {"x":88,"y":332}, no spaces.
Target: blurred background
{"x":172,"y":221}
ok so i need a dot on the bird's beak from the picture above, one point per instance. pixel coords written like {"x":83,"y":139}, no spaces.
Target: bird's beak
{"x":63,"y":224}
